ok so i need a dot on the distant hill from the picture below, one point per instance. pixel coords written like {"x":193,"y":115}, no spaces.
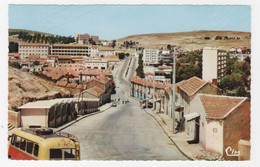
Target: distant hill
{"x":29,"y":31}
{"x":191,"y":40}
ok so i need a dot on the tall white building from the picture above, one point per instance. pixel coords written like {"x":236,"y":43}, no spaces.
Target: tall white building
{"x":26,"y":49}
{"x":213,"y":64}
{"x":150,"y":56}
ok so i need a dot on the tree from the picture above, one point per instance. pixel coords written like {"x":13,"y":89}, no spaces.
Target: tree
{"x":139,"y":70}
{"x":36,"y":63}
{"x":15,"y":65}
{"x":113,"y":43}
{"x":121,"y":55}
{"x":169,"y":47}
{"x":240,"y":91}
{"x":13,"y":47}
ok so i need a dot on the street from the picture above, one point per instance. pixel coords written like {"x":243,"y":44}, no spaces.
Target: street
{"x":124,"y":132}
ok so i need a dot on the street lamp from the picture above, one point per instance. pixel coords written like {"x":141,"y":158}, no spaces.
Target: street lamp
{"x":173,"y":91}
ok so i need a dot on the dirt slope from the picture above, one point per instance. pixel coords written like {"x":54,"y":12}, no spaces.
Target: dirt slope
{"x":24,"y":87}
{"x":190,"y":40}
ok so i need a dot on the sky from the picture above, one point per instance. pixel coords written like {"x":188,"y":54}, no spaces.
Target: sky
{"x":118,"y":21}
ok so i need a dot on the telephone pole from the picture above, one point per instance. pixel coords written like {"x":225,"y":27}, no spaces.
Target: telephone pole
{"x":173,"y":92}
{"x":154,"y":94}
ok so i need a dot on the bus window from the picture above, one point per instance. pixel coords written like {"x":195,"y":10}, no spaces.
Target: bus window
{"x":13,"y":140}
{"x":69,"y":153}
{"x":36,"y":150}
{"x":22,"y":144}
{"x":55,"y":154}
{"x":17,"y":141}
{"x":29,"y":147}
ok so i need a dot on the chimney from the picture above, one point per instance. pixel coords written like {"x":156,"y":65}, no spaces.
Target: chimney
{"x":214,"y":82}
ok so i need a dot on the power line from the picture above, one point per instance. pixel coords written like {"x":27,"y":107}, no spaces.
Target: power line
{"x":44,"y":18}
{"x":72,"y":19}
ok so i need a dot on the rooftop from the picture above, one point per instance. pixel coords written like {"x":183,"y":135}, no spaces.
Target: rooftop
{"x":192,"y":85}
{"x":39,"y":104}
{"x":33,"y":44}
{"x":219,"y":107}
{"x":95,"y":91}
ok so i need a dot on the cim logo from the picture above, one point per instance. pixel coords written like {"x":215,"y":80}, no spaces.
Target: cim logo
{"x":231,"y":152}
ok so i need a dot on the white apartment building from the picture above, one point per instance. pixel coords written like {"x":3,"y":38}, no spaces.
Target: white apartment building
{"x":166,"y":56}
{"x":93,"y":51}
{"x":95,"y":63}
{"x":213,"y":64}
{"x":150,"y":56}
{"x":104,"y":52}
{"x":26,"y":49}
{"x":69,"y":49}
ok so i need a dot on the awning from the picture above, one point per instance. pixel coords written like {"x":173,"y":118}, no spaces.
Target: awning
{"x":191,"y":116}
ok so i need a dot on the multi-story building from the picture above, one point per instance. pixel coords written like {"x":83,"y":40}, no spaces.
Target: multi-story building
{"x":69,"y":49}
{"x":213,"y":64}
{"x":150,"y":56}
{"x":166,"y":56}
{"x":96,"y":63}
{"x":82,"y":38}
{"x":104,"y":52}
{"x":93,"y":51}
{"x":26,"y":49}
{"x":95,"y":38}
{"x":70,"y":67}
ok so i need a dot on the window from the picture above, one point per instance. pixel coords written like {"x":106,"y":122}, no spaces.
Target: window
{"x":13,"y":140}
{"x":22,"y":144}
{"x":215,"y":130}
{"x":55,"y":154}
{"x":69,"y":153}
{"x":36,"y":150}
{"x":29,"y":147}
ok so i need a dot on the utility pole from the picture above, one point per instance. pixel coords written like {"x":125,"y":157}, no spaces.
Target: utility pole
{"x":146,"y":94}
{"x":173,"y":92}
{"x":154,"y":93}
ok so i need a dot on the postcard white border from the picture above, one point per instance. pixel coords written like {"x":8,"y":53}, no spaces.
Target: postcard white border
{"x":255,"y":93}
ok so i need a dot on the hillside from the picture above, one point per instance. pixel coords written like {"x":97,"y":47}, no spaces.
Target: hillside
{"x":191,"y":40}
{"x":24,"y":87}
{"x":28,"y":31}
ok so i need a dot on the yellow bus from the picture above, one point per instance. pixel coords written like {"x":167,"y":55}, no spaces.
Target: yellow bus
{"x":39,"y":143}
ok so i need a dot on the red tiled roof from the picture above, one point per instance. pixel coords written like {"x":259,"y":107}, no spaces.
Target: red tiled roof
{"x":165,"y":67}
{"x":62,"y":83}
{"x":192,"y":85}
{"x":95,"y":91}
{"x":81,"y":86}
{"x":14,"y":54}
{"x":102,"y":79}
{"x":218,"y":107}
{"x":140,"y":81}
{"x":69,"y":45}
{"x":112,"y":58}
{"x":49,"y":68}
{"x":106,"y":49}
{"x":64,"y":57}
{"x":34,"y":57}
{"x":33,"y":44}
{"x":71,"y":85}
{"x":53,"y":55}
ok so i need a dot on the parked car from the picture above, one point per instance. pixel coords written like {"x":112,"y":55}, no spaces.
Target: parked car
{"x":114,"y":104}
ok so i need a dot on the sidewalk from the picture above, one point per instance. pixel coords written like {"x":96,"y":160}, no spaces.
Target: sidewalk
{"x":191,"y":151}
{"x":101,"y":109}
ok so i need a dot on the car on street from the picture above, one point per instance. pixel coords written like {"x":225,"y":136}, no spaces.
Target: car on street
{"x":114,"y":104}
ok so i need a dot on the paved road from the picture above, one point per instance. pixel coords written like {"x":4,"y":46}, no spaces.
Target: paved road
{"x":124,"y":132}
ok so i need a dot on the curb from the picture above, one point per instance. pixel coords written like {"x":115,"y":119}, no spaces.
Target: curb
{"x":190,"y":158}
{"x":80,"y":118}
